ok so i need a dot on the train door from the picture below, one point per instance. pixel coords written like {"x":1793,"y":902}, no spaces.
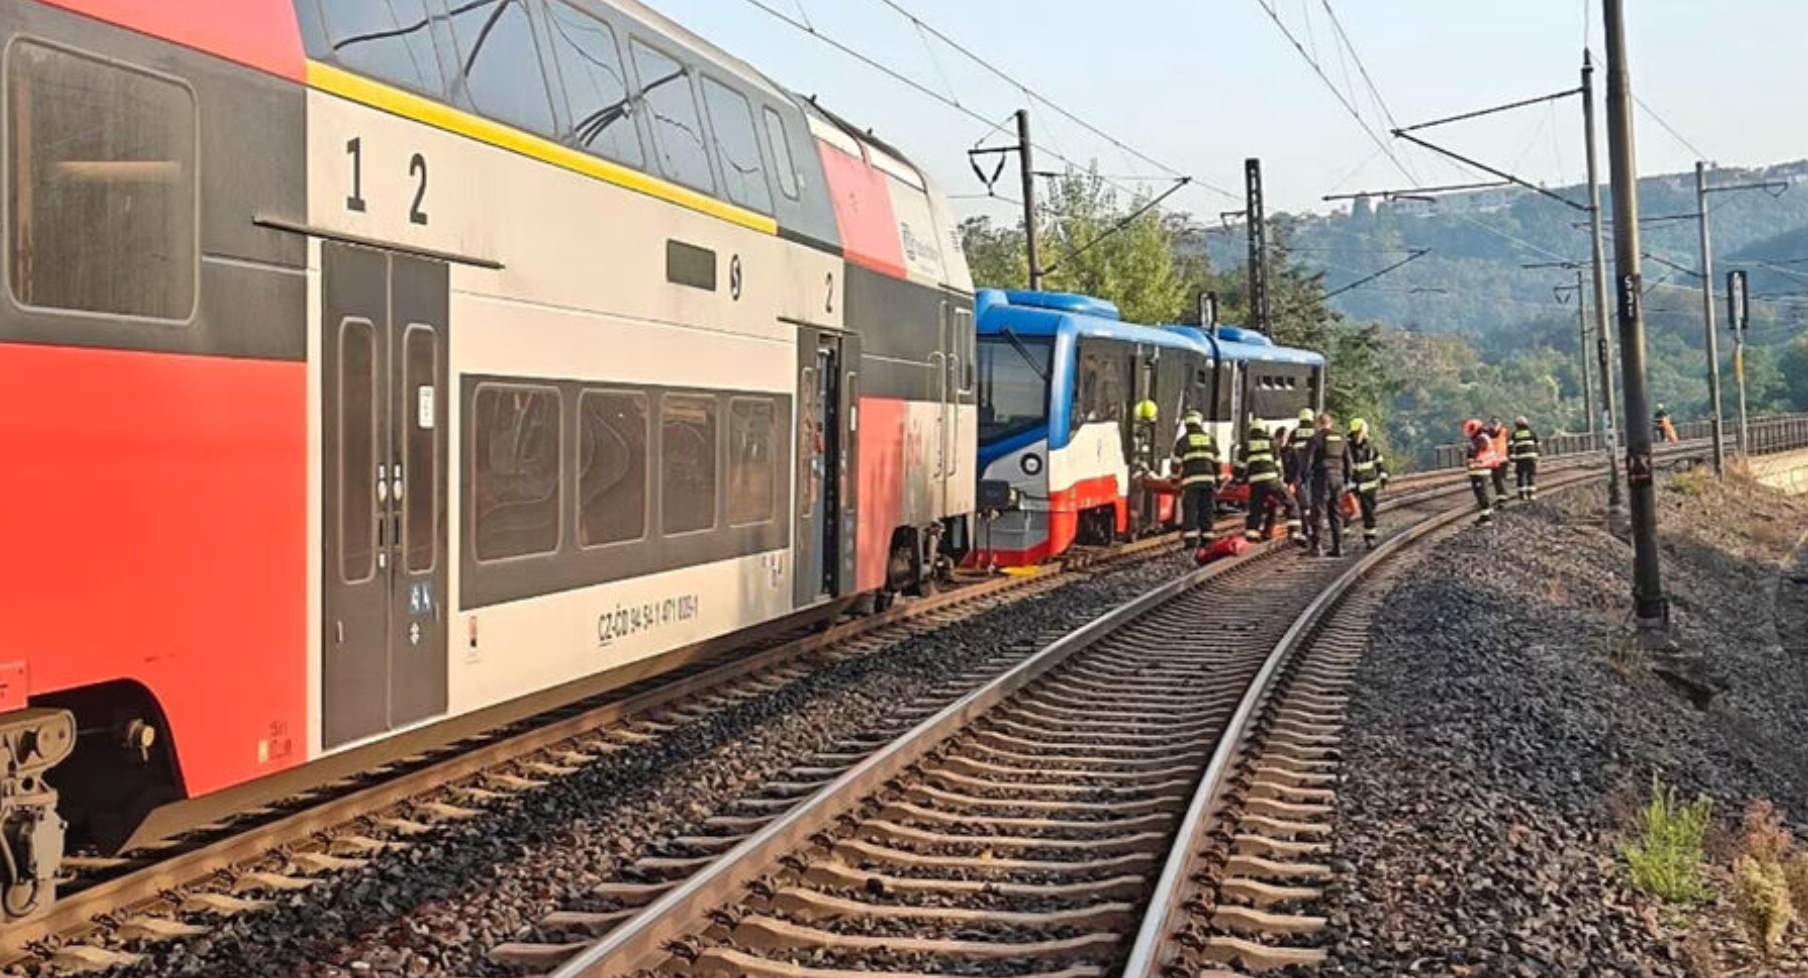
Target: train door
{"x":384,"y":449}
{"x":947,"y":362}
{"x":827,"y":422}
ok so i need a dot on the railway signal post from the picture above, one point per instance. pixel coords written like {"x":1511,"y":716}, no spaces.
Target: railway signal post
{"x":1707,"y":316}
{"x":1650,"y":605}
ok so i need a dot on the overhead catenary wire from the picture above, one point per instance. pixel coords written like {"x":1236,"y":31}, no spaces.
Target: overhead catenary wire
{"x":951,"y":102}
{"x":1036,"y":96}
{"x":1382,"y":144}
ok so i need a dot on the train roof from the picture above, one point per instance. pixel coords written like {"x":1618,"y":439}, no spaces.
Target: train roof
{"x":1056,"y":313}
{"x":1238,"y":344}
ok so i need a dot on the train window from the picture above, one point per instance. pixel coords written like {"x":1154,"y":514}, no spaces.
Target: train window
{"x":1013,"y":385}
{"x":515,"y":470}
{"x":687,"y":264}
{"x":391,"y":40}
{"x":731,"y":118}
{"x":780,"y":141}
{"x":687,"y":463}
{"x":357,"y":450}
{"x":612,"y":467}
{"x":499,"y":65}
{"x":1101,"y":387}
{"x":665,"y":88}
{"x":102,"y":195}
{"x":596,"y":85}
{"x":752,"y":465}
{"x":420,"y":353}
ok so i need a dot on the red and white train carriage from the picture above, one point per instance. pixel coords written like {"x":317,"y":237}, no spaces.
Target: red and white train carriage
{"x":373,"y":372}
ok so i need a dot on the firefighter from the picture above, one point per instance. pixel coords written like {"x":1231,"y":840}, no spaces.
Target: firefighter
{"x":1497,"y":433}
{"x":1198,"y":458}
{"x":1146,"y":416}
{"x":1369,"y":470}
{"x":1328,"y":469}
{"x":1666,"y":430}
{"x":1256,"y":465}
{"x":1296,"y":472}
{"x":1480,"y":462}
{"x":1522,"y":448}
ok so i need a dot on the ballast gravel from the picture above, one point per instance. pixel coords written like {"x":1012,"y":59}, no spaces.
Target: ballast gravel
{"x":1503,"y":730}
{"x":437,"y":907}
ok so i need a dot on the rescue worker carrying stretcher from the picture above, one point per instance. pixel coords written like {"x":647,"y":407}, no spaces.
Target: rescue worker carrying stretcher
{"x":1256,"y":466}
{"x":1369,"y":470}
{"x":1198,"y":458}
{"x":1522,"y":448}
{"x":1327,"y":468}
{"x":1480,"y":463}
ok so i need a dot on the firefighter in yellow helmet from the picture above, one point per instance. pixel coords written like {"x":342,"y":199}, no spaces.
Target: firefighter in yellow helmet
{"x":1256,"y":465}
{"x":1198,"y":458}
{"x":1369,"y":472}
{"x":1145,"y":418}
{"x":1296,"y":453}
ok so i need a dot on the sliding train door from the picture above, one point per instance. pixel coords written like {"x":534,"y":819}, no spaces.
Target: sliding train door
{"x":823,"y":547}
{"x":384,"y":457}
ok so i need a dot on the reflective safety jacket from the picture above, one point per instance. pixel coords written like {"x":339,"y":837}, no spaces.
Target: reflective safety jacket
{"x":1255,"y":458}
{"x":1296,"y":459}
{"x":1367,"y":466}
{"x":1198,"y":459}
{"x":1325,"y":455}
{"x":1499,"y":434}
{"x":1522,"y":446}
{"x":1482,"y":455}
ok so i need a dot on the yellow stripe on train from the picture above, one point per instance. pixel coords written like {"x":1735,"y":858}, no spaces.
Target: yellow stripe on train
{"x":377,"y":95}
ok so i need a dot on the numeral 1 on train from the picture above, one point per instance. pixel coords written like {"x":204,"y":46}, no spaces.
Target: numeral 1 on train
{"x":355,"y":147}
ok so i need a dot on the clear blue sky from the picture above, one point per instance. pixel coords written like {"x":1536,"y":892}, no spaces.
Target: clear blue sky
{"x":1201,"y":84}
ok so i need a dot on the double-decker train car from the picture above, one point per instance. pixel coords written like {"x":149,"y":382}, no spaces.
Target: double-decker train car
{"x":1060,"y":376}
{"x":372,"y":373}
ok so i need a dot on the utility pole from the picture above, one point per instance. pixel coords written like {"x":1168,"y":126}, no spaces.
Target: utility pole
{"x":1738,"y":314}
{"x":1707,"y":315}
{"x":1588,"y":406}
{"x":1255,"y":220}
{"x":1649,"y":603}
{"x":1028,"y":167}
{"x":1603,"y":336}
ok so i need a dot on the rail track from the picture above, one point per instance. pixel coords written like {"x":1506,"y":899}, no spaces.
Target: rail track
{"x":1029,"y":826}
{"x":240,"y":864}
{"x":243,"y":862}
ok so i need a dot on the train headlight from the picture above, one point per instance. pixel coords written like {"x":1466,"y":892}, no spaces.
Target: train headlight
{"x":1032,"y":464}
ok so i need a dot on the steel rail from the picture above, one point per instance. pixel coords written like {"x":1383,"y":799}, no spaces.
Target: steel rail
{"x":1153,"y":950}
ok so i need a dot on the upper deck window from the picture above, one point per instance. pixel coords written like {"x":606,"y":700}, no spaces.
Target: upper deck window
{"x":1013,"y":384}
{"x":781,"y":152}
{"x":665,"y":89}
{"x":391,"y":40}
{"x":739,"y":142}
{"x":103,"y":186}
{"x":499,"y":65}
{"x":595,"y":83}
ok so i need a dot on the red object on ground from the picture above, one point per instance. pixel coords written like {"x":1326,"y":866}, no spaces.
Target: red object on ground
{"x":1231,"y":546}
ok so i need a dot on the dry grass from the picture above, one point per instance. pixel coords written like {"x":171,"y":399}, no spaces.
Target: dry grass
{"x":1761,"y":904}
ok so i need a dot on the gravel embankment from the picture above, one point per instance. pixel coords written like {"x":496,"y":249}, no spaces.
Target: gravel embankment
{"x":437,"y":907}
{"x":1501,"y":736}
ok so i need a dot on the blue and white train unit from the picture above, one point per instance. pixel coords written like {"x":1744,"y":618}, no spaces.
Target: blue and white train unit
{"x":1059,"y":378}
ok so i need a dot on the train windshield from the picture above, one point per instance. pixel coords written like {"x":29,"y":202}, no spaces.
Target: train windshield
{"x":1013,"y":384}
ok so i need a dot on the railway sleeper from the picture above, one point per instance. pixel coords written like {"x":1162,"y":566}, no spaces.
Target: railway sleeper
{"x":724,"y":961}
{"x":832,"y":874}
{"x":769,"y":933}
{"x":859,"y":851}
{"x":810,"y":905}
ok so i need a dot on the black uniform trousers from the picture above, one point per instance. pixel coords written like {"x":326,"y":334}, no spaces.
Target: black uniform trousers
{"x":1369,"y":502}
{"x":1327,"y":490}
{"x":1527,"y":471}
{"x":1261,"y":517}
{"x":1198,"y":503}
